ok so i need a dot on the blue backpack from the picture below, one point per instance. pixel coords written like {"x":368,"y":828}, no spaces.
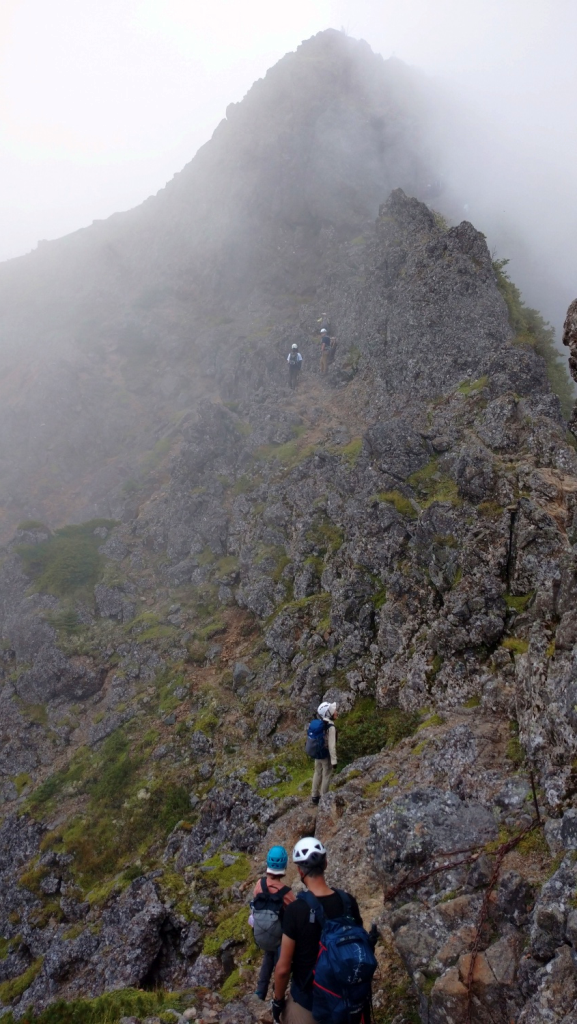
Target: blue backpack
{"x":345,"y":965}
{"x":316,"y":744}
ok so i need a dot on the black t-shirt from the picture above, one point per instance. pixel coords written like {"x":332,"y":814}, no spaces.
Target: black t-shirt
{"x":296,"y":925}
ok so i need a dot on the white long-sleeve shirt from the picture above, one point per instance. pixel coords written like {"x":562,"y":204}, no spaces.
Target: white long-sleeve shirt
{"x":331,"y":738}
{"x":299,"y":357}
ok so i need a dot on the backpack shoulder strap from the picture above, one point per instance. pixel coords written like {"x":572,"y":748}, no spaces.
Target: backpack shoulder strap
{"x":315,"y":906}
{"x":346,"y":901}
{"x":282,"y":892}
{"x":264,"y":886}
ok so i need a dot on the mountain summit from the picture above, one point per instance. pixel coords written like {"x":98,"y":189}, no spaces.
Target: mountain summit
{"x":108,"y":332}
{"x":209,"y":553}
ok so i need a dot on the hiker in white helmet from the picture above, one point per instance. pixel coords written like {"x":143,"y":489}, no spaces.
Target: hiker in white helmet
{"x":301,"y":958}
{"x":295,"y":362}
{"x":321,"y":745}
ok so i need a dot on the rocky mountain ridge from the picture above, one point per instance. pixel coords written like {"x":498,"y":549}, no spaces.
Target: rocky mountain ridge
{"x":397,"y":536}
{"x":374,"y":539}
{"x":111,"y":335}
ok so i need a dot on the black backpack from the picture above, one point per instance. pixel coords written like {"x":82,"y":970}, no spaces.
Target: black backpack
{"x":293,"y":359}
{"x":267,"y":910}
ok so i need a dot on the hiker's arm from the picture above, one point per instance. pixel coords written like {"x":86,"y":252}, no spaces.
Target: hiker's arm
{"x":282,"y":970}
{"x":332,"y":738}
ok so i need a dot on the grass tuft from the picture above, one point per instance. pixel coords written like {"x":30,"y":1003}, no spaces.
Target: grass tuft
{"x":432,"y":484}
{"x":400,"y":501}
{"x":516,"y":645}
{"x":68,"y":561}
{"x":367,"y":729}
{"x":105,"y":1009}
{"x":532,"y":329}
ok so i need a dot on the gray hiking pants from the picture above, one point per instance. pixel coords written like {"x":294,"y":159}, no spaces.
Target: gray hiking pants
{"x":322,"y":776}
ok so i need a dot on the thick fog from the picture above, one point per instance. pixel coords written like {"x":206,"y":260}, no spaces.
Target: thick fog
{"x":101,"y":102}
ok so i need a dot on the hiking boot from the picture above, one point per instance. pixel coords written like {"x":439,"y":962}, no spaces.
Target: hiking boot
{"x":260,"y":996}
{"x":315,"y":799}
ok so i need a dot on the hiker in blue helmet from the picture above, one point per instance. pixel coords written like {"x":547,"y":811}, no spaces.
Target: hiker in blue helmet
{"x":323,"y":990}
{"x":270,"y":897}
{"x":277,"y":860}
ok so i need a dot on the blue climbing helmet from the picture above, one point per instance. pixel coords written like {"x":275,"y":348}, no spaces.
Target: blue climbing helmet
{"x":277,"y":859}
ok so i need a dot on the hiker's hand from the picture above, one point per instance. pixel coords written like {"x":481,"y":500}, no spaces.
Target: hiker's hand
{"x":334,"y":764}
{"x":374,"y":935}
{"x":277,"y":1006}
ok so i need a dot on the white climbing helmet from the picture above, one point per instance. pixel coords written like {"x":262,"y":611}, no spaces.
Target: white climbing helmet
{"x":295,"y":346}
{"x":323,"y":330}
{"x":309,"y":851}
{"x":326,"y":710}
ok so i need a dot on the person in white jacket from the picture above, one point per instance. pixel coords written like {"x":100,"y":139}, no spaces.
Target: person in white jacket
{"x":295,"y":361}
{"x":325,"y":766}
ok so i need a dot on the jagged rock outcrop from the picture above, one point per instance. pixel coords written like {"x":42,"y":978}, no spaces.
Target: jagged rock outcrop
{"x":570,"y":339}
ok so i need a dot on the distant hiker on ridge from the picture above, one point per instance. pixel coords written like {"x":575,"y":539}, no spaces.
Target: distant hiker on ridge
{"x":321,"y":745}
{"x":325,"y":350}
{"x":295,"y":361}
{"x":270,"y":897}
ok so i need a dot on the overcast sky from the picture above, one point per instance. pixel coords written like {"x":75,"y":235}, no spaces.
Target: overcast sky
{"x":101,"y":101}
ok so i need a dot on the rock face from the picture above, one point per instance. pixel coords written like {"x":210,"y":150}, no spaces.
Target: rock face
{"x":398,"y":537}
{"x":570,"y":339}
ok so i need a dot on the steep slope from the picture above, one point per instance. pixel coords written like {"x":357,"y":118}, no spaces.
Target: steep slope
{"x":110,"y":335}
{"x":398,"y":537}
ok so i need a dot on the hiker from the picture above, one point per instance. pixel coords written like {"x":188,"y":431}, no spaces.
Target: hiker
{"x":295,"y":361}
{"x":321,"y":744}
{"x":325,"y":351}
{"x":270,"y":897}
{"x":325,"y":950}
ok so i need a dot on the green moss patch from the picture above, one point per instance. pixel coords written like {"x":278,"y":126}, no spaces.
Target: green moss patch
{"x":472,"y":387}
{"x":367,"y":729}
{"x":473,"y":702}
{"x":68,"y":561}
{"x":124,"y":815}
{"x":225,"y":875}
{"x":531,"y":329}
{"x":326,"y":536}
{"x":42,"y":802}
{"x":516,"y":644}
{"x":289,"y":455}
{"x":105,"y":1009}
{"x":32,"y":524}
{"x":518,"y":604}
{"x":232,"y":987}
{"x":352,"y":450}
{"x":432,"y":484}
{"x":432,"y":721}
{"x":235,"y":928}
{"x":11,"y":990}
{"x":490,"y":509}
{"x":400,"y":501}
{"x":515,"y":751}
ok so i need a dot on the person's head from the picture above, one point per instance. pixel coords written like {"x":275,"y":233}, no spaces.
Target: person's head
{"x":328,"y":712}
{"x":323,"y":330}
{"x":295,"y":348}
{"x":276,"y":861}
{"x":310,"y":857}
